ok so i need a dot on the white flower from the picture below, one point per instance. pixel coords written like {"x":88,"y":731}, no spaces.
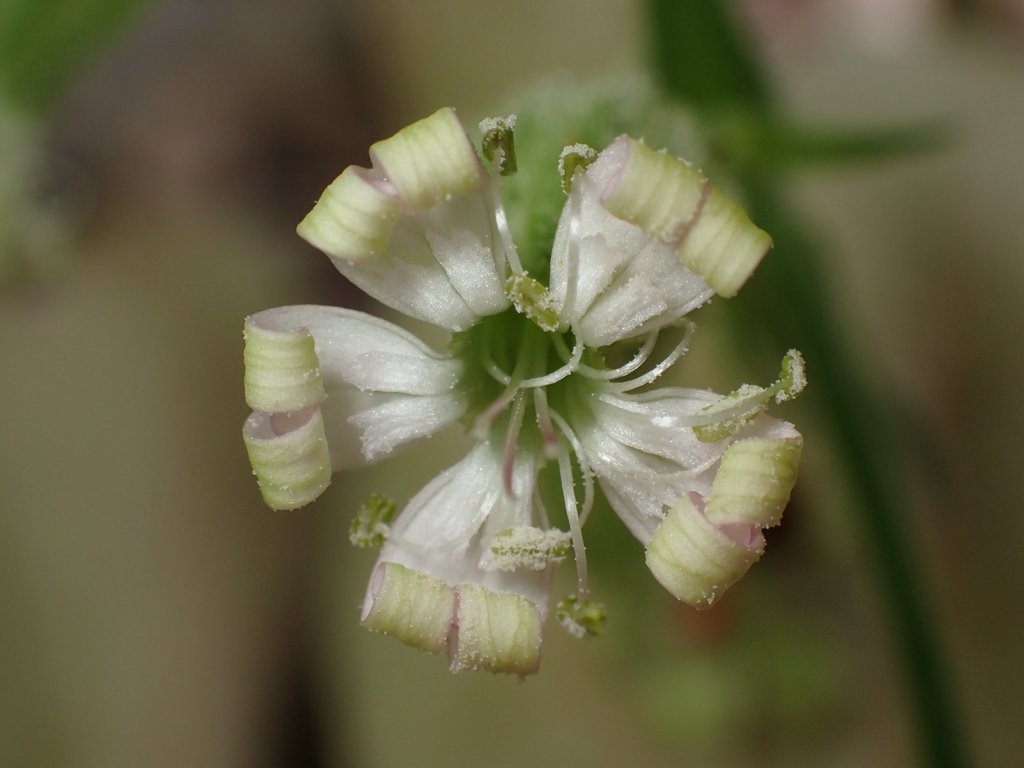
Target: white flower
{"x":466,"y":566}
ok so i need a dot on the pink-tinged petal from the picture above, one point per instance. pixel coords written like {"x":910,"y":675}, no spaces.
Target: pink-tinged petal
{"x":370,"y":386}
{"x":417,"y":231}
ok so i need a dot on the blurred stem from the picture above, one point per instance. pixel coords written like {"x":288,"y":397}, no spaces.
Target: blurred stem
{"x":43,"y":42}
{"x":727,"y":80}
{"x":853,"y":418}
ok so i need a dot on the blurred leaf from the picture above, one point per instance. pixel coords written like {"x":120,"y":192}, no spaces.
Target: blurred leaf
{"x":751,"y":140}
{"x":43,"y":42}
{"x":701,"y":58}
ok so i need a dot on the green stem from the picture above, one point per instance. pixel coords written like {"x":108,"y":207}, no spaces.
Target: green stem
{"x":850,"y":414}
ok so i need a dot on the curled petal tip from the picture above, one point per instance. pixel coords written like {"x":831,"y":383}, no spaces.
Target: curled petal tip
{"x":494,"y":632}
{"x":723,"y":246}
{"x":673,"y":201}
{"x":410,"y":606}
{"x":696,"y":560}
{"x":282,"y":370}
{"x":659,"y":193}
{"x":754,"y":481}
{"x":289,"y":457}
{"x":701,"y":548}
{"x":353,"y":218}
{"x":430,"y":161}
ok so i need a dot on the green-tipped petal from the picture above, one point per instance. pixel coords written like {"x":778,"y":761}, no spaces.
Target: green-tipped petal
{"x":292,"y":468}
{"x":494,"y":632}
{"x":430,"y":161}
{"x":282,"y":371}
{"x":694,"y":559}
{"x":410,"y":606}
{"x":353,"y":218}
{"x":657,"y":192}
{"x":754,"y":481}
{"x":722,"y":245}
{"x":673,"y":201}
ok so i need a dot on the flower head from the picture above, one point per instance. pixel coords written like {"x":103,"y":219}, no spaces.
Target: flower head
{"x":550,"y":379}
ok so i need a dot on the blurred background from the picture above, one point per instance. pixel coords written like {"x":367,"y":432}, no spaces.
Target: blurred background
{"x":155,"y":156}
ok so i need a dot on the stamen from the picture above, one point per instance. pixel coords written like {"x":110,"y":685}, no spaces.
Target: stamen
{"x":792,"y":377}
{"x":575,"y":157}
{"x":486,"y":420}
{"x":498,"y":143}
{"x":573,"y":255}
{"x":540,"y":510}
{"x":372,"y":524}
{"x":528,"y":547}
{"x":585,"y":469}
{"x":561,"y":347}
{"x":547,"y":430}
{"x":502,"y":231}
{"x":623,"y":370}
{"x":572,"y":512}
{"x":532,"y":299}
{"x":494,"y":370}
{"x":560,"y":373}
{"x":581,"y":618}
{"x":657,"y":371}
{"x":575,"y":526}
{"x":730,"y":413}
{"x":515,"y":426}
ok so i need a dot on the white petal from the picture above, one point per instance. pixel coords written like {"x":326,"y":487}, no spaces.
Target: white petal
{"x":416,"y":232}
{"x":384,"y":387}
{"x":438,"y":266}
{"x":647,"y":457}
{"x":445,"y":530}
{"x":351,"y":344}
{"x":658,"y":423}
{"x":645,"y":453}
{"x":387,"y":422}
{"x":448,"y":512}
{"x":627,"y":281}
